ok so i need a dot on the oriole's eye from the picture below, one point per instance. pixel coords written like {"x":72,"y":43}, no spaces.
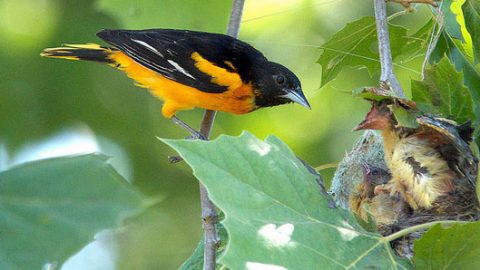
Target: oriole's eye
{"x":280,"y":79}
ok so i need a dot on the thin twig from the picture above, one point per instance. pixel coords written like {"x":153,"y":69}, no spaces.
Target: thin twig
{"x":326,"y":166}
{"x":436,"y":33}
{"x":209,"y":214}
{"x":387,"y":76}
{"x":235,"y":18}
{"x":419,"y":227}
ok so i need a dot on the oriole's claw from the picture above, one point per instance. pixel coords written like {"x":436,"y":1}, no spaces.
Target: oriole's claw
{"x":195,"y":135}
{"x":174,"y":159}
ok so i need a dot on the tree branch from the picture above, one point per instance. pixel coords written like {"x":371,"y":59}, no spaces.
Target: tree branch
{"x":211,"y":240}
{"x":387,"y":77}
{"x":407,"y":3}
{"x":235,"y":18}
{"x":209,"y":214}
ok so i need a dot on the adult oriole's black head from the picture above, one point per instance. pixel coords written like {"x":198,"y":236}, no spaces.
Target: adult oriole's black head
{"x":193,"y":69}
{"x":278,"y":85}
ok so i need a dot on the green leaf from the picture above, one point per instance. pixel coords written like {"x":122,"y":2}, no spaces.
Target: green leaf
{"x":442,"y":91}
{"x":455,"y":247}
{"x":471,"y":73}
{"x":372,"y":93}
{"x":356,"y":46}
{"x":51,"y":208}
{"x":471,"y":13}
{"x":450,"y":18}
{"x":378,"y":94}
{"x":404,"y":118}
{"x":276,"y":214}
{"x":415,"y":45}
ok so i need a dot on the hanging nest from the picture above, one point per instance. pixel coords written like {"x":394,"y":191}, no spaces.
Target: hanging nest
{"x":419,"y":169}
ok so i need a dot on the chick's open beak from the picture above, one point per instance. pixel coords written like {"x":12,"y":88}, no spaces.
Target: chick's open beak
{"x":375,"y":119}
{"x":297,"y":96}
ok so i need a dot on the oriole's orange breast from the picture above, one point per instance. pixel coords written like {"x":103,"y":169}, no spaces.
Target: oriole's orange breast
{"x":238,"y":99}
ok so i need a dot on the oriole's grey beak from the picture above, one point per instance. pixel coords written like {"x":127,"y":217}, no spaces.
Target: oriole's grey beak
{"x":297,"y":96}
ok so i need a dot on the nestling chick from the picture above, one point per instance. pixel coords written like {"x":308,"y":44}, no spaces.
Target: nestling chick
{"x":427,"y":163}
{"x":370,"y":199}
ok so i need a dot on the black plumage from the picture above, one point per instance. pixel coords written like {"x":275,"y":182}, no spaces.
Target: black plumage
{"x":157,"y":49}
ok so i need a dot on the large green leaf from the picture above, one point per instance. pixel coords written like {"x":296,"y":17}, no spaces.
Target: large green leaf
{"x":471,"y":13}
{"x":356,"y":46}
{"x":415,"y":45}
{"x":471,"y":73}
{"x":450,"y":18}
{"x":458,"y":53}
{"x":275,"y":212}
{"x":50,"y":209}
{"x":404,"y":118}
{"x":442,"y":91}
{"x":455,"y":247}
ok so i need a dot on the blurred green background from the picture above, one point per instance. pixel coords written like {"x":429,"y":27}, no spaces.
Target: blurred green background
{"x":54,"y":107}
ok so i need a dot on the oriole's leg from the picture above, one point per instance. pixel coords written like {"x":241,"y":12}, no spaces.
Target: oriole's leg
{"x":195,"y":134}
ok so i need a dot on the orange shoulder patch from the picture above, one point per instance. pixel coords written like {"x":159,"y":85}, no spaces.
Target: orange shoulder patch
{"x":238,"y":99}
{"x":219,"y":75}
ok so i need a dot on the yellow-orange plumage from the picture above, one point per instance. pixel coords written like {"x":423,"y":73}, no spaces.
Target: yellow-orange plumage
{"x":419,"y":189}
{"x":238,"y":99}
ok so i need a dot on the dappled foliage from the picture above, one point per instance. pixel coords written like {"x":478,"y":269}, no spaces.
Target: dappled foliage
{"x":275,"y":213}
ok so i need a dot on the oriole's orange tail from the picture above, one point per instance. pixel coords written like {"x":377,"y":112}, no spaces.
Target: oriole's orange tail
{"x":88,"y":52}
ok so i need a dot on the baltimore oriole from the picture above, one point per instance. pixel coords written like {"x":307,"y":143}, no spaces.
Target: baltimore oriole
{"x":188,"y":69}
{"x":432,"y":166}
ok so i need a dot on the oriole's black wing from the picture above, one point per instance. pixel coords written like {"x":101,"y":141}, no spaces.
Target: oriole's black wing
{"x":169,"y":52}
